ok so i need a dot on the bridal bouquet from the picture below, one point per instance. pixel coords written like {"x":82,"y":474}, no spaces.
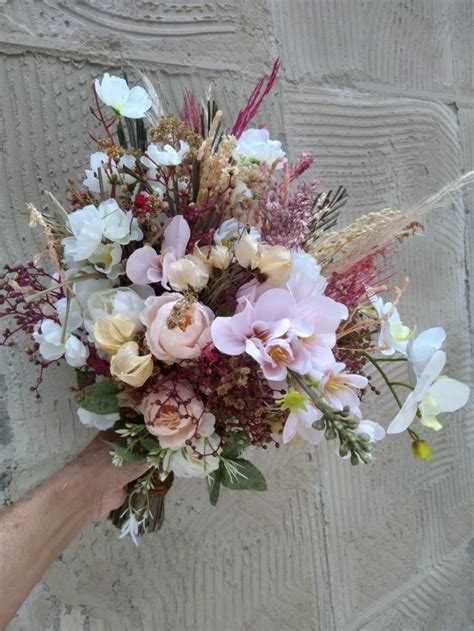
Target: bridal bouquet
{"x":201,"y":290}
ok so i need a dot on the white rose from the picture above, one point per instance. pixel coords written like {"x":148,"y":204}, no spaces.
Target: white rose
{"x":185,"y":463}
{"x":305,"y":279}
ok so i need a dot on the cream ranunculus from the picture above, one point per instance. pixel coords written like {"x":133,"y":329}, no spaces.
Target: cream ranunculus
{"x":131,"y":367}
{"x":175,"y":414}
{"x":112,"y":332}
{"x":188,"y":273}
{"x":246,"y":251}
{"x":274,"y":261}
{"x":216,"y":256}
{"x":175,"y":328}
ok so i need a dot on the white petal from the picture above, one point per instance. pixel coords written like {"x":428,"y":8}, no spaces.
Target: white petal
{"x":75,"y":352}
{"x":100,"y":421}
{"x":138,"y":102}
{"x":449,"y":394}
{"x":113,"y":91}
{"x":405,"y":416}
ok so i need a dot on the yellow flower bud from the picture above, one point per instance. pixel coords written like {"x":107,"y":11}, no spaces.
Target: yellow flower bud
{"x":130,"y":367}
{"x":112,"y":332}
{"x":421,"y":450}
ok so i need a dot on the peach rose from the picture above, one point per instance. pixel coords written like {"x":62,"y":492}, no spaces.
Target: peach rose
{"x":175,"y":328}
{"x":175,"y":414}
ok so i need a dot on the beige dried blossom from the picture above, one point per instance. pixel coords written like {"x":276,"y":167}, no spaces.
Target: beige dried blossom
{"x":53,"y":237}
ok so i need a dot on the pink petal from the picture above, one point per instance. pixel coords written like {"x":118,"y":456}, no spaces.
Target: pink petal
{"x":176,"y":236}
{"x":140,"y":263}
{"x":224,"y":337}
{"x":274,"y":304}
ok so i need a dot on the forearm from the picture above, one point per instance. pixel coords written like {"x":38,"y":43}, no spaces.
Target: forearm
{"x":34,"y":532}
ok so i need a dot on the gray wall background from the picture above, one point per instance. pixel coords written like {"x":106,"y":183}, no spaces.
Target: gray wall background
{"x":382,"y":92}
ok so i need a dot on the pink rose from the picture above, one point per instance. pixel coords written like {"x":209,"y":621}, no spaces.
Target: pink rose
{"x":175,"y":328}
{"x":175,"y":414}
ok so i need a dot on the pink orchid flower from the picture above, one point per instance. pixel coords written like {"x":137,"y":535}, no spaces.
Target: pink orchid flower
{"x":337,"y":388}
{"x":281,"y":334}
{"x":146,"y":266}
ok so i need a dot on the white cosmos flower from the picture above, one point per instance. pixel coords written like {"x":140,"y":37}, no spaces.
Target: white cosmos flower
{"x":114,"y":91}
{"x":433,"y":395}
{"x":424,"y":346}
{"x":167,"y":156}
{"x":185,"y":463}
{"x":394,"y":335}
{"x":110,"y":172}
{"x":306,"y":279}
{"x":255,"y":146}
{"x":99,"y":421}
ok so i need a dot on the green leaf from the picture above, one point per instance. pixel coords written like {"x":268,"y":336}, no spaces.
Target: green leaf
{"x":214,"y":486}
{"x":237,"y":443}
{"x":242,"y":475}
{"x":99,"y":398}
{"x":126,"y":454}
{"x":149,"y":444}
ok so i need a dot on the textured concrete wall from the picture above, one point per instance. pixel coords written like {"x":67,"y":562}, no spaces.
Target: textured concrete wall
{"x":383,"y":92}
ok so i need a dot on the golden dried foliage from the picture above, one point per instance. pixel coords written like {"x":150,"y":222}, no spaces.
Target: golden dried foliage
{"x":339,"y":250}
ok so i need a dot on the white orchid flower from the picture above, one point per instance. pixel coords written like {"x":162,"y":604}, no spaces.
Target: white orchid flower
{"x":167,"y":156}
{"x":111,"y":172}
{"x":433,"y":395}
{"x":114,"y":92}
{"x":255,"y":146}
{"x":99,"y":421}
{"x":424,"y":346}
{"x":394,"y":335}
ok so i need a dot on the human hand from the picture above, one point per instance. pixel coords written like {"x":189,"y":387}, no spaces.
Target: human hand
{"x":101,"y":485}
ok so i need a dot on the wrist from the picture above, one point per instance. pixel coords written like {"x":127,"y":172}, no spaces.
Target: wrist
{"x":73,"y":495}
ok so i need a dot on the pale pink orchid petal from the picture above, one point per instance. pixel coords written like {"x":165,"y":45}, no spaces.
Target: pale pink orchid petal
{"x":176,"y":236}
{"x":289,"y":429}
{"x":144,"y":266}
{"x":225,"y":338}
{"x":274,"y":304}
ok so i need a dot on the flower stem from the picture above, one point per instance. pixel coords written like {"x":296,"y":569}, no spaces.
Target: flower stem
{"x":382,"y":372}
